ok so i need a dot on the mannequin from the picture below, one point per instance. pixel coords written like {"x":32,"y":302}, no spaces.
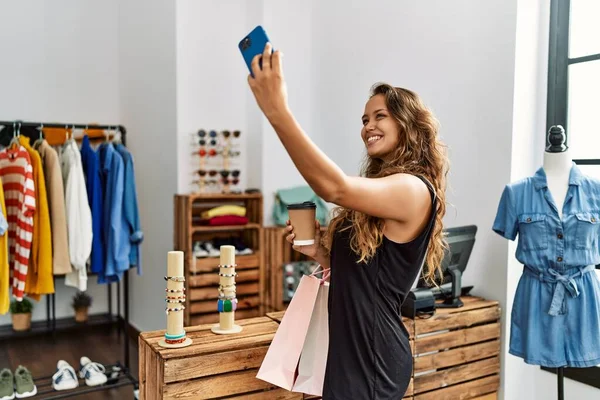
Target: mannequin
{"x":556,"y":216}
{"x":557,"y":166}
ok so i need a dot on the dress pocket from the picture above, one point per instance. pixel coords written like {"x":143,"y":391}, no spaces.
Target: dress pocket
{"x":533,"y":232}
{"x":587,"y":227}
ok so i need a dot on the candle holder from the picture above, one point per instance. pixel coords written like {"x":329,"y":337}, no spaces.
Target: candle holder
{"x":227,"y":302}
{"x":175,"y":303}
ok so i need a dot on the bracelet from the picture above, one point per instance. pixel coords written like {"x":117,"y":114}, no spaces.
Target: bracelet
{"x":176,"y":301}
{"x":227,"y":305}
{"x":226,"y":287}
{"x":176,"y":297}
{"x":175,"y":290}
{"x":227,"y":266}
{"x":174,"y":337}
{"x":168,"y":310}
{"x":223,"y":297}
{"x":177,"y":341}
{"x":175,"y":278}
{"x":227,"y":275}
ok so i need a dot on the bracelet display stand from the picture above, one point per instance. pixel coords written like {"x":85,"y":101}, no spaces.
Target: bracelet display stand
{"x":175,"y":299}
{"x":227,"y":301}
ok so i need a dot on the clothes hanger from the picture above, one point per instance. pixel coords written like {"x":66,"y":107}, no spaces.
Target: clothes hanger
{"x":40,"y":139}
{"x":14,"y":142}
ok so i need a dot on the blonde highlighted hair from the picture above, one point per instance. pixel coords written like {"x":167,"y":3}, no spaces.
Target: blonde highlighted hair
{"x":419,"y":152}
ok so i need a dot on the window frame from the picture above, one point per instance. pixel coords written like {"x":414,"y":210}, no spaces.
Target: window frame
{"x":557,"y":114}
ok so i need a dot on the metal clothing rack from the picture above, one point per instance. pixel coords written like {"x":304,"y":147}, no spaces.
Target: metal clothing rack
{"x":33,"y":131}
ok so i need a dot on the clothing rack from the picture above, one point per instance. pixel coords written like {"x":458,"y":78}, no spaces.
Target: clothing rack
{"x":125,"y":376}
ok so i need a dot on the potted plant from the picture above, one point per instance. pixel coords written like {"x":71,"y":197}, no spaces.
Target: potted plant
{"x":21,"y":314}
{"x":81,"y":304}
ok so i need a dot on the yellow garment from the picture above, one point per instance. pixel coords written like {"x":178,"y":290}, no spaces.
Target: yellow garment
{"x":4,"y":269}
{"x":224,"y":210}
{"x":39,"y":276}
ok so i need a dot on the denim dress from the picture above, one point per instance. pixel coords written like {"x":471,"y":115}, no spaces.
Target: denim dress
{"x":556,"y":310}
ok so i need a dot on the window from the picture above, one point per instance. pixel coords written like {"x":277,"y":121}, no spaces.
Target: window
{"x":574,"y":99}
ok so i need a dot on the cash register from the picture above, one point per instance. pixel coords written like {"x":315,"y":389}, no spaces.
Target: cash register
{"x":421,"y":300}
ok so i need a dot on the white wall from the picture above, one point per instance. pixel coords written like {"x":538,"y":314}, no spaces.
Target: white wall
{"x":147,"y":87}
{"x":59,"y":63}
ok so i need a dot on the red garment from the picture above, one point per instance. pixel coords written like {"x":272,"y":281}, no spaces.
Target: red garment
{"x":227,"y":220}
{"x":16,"y":174}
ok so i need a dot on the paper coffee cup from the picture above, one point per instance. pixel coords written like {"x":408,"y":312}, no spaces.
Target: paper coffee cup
{"x":302,"y":218}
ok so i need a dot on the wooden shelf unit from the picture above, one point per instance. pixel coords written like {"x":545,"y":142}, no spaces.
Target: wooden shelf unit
{"x":201,"y":274}
{"x":278,"y":253}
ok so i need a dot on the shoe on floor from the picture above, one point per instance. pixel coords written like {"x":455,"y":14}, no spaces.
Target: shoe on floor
{"x":93,"y":372}
{"x":24,"y":383}
{"x":65,"y":377}
{"x":7,"y":391}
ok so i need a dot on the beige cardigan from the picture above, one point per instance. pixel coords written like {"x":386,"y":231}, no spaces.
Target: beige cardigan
{"x":56,"y":202}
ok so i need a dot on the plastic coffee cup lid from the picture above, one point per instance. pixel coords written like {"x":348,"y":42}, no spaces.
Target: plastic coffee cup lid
{"x":302,"y":206}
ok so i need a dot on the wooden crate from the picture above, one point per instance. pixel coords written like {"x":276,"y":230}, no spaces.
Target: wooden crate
{"x":213,"y":367}
{"x":202,"y":273}
{"x":277,"y":253}
{"x":457,"y":352}
{"x":408,"y":323}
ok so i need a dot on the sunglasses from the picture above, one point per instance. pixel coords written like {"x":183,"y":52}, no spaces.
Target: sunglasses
{"x":226,"y":134}
{"x":202,"y":142}
{"x":201,"y":133}
{"x":210,"y":153}
{"x":233,"y":181}
{"x":203,"y":172}
{"x":213,"y":134}
{"x":236,"y":134}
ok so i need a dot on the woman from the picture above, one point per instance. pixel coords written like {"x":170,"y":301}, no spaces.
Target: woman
{"x":388,"y":223}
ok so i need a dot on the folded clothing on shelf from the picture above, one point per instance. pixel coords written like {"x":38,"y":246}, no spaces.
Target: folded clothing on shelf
{"x":226,"y":220}
{"x":227,"y":209}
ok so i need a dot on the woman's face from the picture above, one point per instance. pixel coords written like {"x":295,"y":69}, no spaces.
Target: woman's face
{"x":380,"y":131}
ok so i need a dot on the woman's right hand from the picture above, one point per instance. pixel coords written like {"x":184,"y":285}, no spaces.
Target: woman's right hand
{"x":310,"y":250}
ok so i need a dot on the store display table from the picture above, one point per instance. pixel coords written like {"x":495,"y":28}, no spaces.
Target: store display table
{"x":456,"y":356}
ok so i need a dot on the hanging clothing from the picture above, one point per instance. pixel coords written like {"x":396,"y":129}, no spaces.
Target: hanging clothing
{"x":556,"y":310}
{"x":39,"y":276}
{"x":79,"y":216}
{"x":4,"y":268}
{"x":130,"y":208}
{"x":56,"y":203}
{"x":114,"y":226}
{"x":91,"y":169}
{"x":19,"y":191}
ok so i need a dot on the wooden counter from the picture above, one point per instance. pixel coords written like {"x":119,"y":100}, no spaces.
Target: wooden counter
{"x":455,"y":352}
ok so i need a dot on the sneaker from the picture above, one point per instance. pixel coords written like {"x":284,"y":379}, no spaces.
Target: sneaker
{"x":65,"y":377}
{"x":199,"y":251}
{"x":212,"y":251}
{"x":93,"y":372}
{"x":7,"y":391}
{"x":24,"y":383}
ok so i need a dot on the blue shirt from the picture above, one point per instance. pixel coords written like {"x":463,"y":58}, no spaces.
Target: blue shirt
{"x":114,"y":225}
{"x":91,"y":169}
{"x":130,"y":208}
{"x":556,"y":311}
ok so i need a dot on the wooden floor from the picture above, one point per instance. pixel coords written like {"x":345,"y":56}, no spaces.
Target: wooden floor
{"x":41,"y":353}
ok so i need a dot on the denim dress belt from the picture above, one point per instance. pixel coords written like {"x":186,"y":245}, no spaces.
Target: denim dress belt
{"x":564,"y":283}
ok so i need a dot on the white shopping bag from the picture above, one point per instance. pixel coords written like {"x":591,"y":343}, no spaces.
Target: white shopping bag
{"x":313,"y":359}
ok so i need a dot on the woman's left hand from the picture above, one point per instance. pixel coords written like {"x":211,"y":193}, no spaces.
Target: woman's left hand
{"x":268,"y":85}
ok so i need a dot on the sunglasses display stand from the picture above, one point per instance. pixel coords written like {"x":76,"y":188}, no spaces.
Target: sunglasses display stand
{"x":227,"y":301}
{"x":175,"y":335}
{"x":219,"y":154}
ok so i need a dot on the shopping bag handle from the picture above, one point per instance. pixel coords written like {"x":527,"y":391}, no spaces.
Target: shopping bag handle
{"x":323,"y":271}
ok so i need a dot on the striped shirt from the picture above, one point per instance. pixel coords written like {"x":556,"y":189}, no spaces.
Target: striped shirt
{"x":16,"y":174}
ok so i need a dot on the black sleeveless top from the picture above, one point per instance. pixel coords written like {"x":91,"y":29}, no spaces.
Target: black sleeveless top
{"x":369,"y":356}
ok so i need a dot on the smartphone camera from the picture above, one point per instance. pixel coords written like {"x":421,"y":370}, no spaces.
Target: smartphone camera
{"x":246,"y":43}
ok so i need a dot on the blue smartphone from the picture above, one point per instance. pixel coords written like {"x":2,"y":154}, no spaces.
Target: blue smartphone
{"x":253,"y":44}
